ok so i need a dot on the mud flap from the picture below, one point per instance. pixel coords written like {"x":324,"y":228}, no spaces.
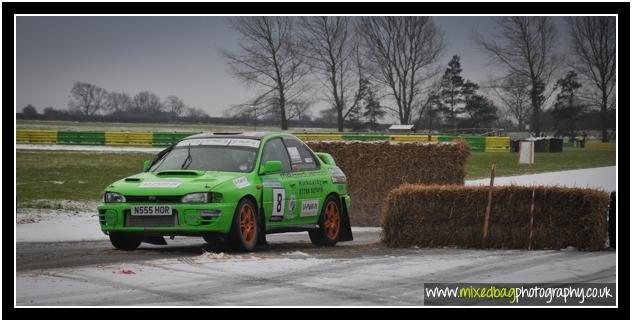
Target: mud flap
{"x":154,"y":240}
{"x":345,"y":228}
{"x":261,"y":239}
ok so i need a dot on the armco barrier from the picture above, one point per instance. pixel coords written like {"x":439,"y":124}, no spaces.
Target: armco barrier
{"x":165,"y":139}
{"x":319,"y":137}
{"x":414,"y":138}
{"x":497,"y":144}
{"x":128,"y":138}
{"x":365,"y":137}
{"x":36,"y":136}
{"x":81,"y":138}
{"x":476,"y":143}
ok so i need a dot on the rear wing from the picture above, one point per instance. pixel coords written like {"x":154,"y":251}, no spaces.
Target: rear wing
{"x":326,"y":158}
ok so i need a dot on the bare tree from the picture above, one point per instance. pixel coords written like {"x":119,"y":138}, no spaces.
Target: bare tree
{"x":514,"y":94}
{"x":526,"y":46}
{"x":147,"y":102}
{"x":400,"y":52}
{"x":87,"y":98}
{"x":268,"y":59}
{"x":593,"y":42}
{"x":331,"y":51}
{"x":119,"y":102}
{"x":174,"y":105}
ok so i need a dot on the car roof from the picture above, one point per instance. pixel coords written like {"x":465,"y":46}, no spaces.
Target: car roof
{"x":236,"y":135}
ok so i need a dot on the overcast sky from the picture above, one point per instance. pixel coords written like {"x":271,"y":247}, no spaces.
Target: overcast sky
{"x":168,"y":56}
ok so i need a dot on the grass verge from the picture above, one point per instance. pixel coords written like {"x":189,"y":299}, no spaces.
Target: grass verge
{"x":64,"y":175}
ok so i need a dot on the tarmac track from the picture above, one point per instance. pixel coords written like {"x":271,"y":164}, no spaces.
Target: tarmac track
{"x":288,"y":271}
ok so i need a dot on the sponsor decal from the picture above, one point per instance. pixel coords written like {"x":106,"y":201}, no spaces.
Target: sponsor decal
{"x":309,"y":160}
{"x":309,"y":208}
{"x":291,"y":204}
{"x":294,"y":155}
{"x":241,"y":182}
{"x":244,"y":142}
{"x":160,"y":184}
{"x":271,"y":183}
{"x":221,"y":142}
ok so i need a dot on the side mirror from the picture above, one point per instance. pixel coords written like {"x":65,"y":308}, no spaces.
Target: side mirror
{"x":271,"y":167}
{"x":146,"y":165}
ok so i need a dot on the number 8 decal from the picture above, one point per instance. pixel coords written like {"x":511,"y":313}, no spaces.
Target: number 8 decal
{"x":278,"y":202}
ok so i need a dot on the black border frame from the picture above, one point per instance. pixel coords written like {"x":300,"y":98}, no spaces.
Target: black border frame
{"x":622,"y":9}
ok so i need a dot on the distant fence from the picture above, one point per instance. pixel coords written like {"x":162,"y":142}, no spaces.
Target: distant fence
{"x":99,"y":138}
{"x":476,"y":143}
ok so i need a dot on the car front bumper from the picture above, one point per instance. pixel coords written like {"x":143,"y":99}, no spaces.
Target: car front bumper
{"x":188,"y":219}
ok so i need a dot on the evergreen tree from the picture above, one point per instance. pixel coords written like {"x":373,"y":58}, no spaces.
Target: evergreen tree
{"x":451,"y":90}
{"x":373,"y":111}
{"x":481,"y":111}
{"x":568,"y":107}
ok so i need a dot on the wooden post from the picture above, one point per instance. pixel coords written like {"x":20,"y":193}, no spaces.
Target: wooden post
{"x":489,"y":204}
{"x":531,"y":220}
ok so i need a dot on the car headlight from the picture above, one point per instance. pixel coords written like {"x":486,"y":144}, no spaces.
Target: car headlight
{"x":113,"y":197}
{"x":198,"y":197}
{"x":202,"y":197}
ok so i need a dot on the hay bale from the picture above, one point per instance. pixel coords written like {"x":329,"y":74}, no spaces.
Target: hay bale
{"x":374,"y":168}
{"x":451,"y":215}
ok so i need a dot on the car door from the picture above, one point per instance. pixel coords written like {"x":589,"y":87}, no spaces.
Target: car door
{"x":276,"y":187}
{"x":308,"y":182}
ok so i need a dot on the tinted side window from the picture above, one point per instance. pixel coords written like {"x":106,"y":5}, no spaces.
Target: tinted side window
{"x":300,"y":157}
{"x":275,"y":150}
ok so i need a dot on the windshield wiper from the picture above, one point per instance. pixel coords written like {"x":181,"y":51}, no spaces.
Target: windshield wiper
{"x":189,"y":159}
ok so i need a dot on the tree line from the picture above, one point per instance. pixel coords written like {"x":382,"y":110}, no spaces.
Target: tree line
{"x":348,"y":61}
{"x":91,"y":102}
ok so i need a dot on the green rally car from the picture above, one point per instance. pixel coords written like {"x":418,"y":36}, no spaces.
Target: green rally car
{"x":234,"y":187}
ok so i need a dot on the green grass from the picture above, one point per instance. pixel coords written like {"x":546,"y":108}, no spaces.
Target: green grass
{"x":479,"y":163}
{"x":61,"y":175}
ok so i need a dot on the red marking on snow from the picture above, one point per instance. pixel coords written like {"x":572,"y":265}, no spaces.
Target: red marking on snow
{"x":124,"y":271}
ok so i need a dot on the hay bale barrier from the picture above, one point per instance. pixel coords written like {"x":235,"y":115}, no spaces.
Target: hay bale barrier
{"x":451,"y":215}
{"x":374,"y":168}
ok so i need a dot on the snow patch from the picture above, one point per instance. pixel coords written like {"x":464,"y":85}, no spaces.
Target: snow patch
{"x":603,"y":178}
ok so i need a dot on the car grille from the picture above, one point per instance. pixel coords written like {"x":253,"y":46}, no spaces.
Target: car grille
{"x":154,"y":199}
{"x":151,"y":221}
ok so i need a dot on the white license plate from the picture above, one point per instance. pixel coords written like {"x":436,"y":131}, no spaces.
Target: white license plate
{"x":151,"y":210}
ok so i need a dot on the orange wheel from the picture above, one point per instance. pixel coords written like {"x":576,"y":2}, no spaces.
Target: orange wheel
{"x":332,"y":220}
{"x":244,"y":230}
{"x":247,"y":223}
{"x":329,"y":224}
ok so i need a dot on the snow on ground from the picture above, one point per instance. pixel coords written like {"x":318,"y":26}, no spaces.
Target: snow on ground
{"x":221,"y":279}
{"x":91,"y":148}
{"x":48,"y":225}
{"x":598,"y":178}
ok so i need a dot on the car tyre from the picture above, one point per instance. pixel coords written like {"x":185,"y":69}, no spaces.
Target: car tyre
{"x":329,"y":224}
{"x":244,"y":231}
{"x":125,"y":241}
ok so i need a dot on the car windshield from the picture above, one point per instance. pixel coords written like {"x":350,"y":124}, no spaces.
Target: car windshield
{"x":208,"y":158}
